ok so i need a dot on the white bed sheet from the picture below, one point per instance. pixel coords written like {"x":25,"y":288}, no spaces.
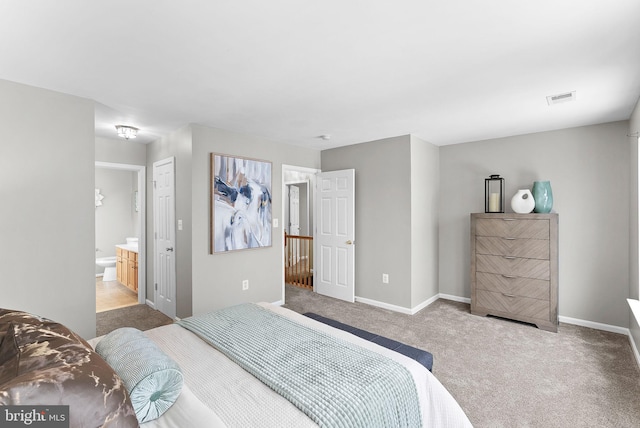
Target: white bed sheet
{"x":220,"y":393}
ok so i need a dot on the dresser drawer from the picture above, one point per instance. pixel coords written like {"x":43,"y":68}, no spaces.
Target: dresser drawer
{"x":513,"y":266}
{"x":520,"y":306}
{"x":515,"y":286}
{"x":512,"y":228}
{"x":527,"y":248}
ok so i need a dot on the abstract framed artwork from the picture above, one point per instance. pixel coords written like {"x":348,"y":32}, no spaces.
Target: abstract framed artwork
{"x":240,"y":203}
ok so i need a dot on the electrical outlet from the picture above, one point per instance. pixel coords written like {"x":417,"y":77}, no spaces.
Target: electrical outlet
{"x":245,"y":284}
{"x":385,"y":278}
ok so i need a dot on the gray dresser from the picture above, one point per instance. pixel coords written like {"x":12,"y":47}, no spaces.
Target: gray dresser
{"x":514,"y":267}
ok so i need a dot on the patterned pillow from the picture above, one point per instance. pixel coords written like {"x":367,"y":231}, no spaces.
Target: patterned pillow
{"x":51,"y":365}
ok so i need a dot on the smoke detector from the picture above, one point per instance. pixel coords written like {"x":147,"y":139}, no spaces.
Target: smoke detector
{"x":561,"y":98}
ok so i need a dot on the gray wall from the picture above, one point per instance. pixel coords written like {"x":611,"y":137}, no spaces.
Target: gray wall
{"x":634,"y":129}
{"x":383,"y":216}
{"x":217,"y":278}
{"x":47,"y":210}
{"x":589,"y":172}
{"x":116,"y":218}
{"x":120,"y":151}
{"x":178,"y":146}
{"x":425,"y":200}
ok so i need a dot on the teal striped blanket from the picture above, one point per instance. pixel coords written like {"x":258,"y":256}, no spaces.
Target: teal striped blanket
{"x":335,"y":383}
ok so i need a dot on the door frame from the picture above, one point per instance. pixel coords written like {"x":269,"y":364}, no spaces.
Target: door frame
{"x":142,"y":200}
{"x":312,"y":228}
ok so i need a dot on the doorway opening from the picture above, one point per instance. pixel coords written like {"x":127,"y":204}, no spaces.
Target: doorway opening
{"x":120,"y":235}
{"x":298,"y":187}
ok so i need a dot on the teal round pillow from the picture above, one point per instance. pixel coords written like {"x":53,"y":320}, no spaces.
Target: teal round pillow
{"x":153,"y":379}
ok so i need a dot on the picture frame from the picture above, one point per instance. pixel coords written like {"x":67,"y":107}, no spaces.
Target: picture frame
{"x":241,"y":205}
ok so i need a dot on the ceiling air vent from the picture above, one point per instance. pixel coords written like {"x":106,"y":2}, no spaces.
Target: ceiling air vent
{"x":561,"y":98}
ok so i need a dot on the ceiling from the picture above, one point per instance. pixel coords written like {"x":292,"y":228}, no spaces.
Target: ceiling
{"x":447,"y":71}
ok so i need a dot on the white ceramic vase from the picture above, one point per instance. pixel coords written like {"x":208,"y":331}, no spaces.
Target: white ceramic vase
{"x":523,"y":202}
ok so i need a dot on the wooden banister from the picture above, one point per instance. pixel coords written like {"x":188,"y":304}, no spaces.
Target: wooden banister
{"x":298,"y":260}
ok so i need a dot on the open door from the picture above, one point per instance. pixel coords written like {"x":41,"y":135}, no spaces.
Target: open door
{"x":335,"y":234}
{"x":294,"y":210}
{"x":164,"y":212}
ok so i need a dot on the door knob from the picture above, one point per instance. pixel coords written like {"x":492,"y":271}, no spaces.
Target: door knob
{"x":349,"y":242}
{"x":170,"y":249}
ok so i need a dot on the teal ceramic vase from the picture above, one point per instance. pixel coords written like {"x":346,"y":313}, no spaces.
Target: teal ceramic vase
{"x":543,"y":196}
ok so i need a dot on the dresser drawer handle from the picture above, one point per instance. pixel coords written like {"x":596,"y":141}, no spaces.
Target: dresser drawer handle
{"x":509,"y":219}
{"x":509,"y":276}
{"x":509,"y":295}
{"x":509,"y":239}
{"x":509,"y":257}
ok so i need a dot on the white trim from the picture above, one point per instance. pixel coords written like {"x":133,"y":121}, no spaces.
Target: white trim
{"x":634,"y":348}
{"x":396,"y":308}
{"x":150,"y":304}
{"x":455,"y":298}
{"x":594,"y":325}
{"x":278,"y":303}
{"x":383,"y":305}
{"x":423,"y":305}
{"x":415,"y":309}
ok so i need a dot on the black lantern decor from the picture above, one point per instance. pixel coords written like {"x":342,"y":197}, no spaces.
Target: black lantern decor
{"x":494,"y":194}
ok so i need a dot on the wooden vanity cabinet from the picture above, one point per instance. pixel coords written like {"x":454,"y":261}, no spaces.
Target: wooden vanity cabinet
{"x":127,"y":268}
{"x":514,"y":267}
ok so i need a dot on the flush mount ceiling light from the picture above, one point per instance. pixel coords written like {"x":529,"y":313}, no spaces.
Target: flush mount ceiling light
{"x":127,"y":131}
{"x":561,"y":98}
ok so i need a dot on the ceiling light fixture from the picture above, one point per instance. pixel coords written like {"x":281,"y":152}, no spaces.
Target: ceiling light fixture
{"x":325,"y":137}
{"x":127,"y":132}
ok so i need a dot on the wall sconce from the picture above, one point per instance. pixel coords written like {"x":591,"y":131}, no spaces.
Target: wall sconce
{"x":127,"y":131}
{"x":494,"y":194}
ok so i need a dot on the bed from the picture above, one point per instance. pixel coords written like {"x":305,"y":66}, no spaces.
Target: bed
{"x":219,"y":391}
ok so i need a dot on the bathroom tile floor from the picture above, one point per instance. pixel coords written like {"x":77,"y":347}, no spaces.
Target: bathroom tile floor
{"x":113,"y":295}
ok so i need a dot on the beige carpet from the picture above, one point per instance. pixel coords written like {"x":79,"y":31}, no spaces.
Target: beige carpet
{"x":504,"y":373}
{"x":141,"y":317}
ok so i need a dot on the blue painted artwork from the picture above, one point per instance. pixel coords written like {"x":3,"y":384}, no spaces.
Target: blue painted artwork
{"x":241,"y":203}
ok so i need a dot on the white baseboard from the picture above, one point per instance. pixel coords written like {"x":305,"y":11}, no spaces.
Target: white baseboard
{"x":150,"y":304}
{"x":384,"y":305}
{"x":634,"y":348}
{"x":395,"y":308}
{"x":278,"y":303}
{"x":455,"y":298}
{"x":594,"y":325}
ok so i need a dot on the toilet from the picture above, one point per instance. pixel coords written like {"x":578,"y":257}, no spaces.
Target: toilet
{"x":109,"y":265}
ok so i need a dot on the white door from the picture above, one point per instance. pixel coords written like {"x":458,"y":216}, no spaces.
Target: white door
{"x":334,"y":273}
{"x":164,"y":209}
{"x":294,"y":210}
